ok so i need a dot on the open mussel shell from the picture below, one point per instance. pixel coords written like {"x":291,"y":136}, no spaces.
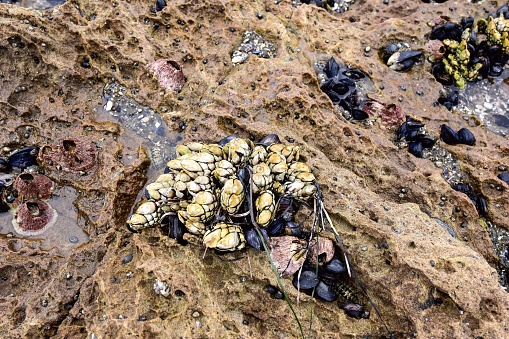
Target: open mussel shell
{"x":403,"y":61}
{"x":441,"y":75}
{"x":388,"y":50}
{"x":466,"y":137}
{"x":307,"y":280}
{"x":338,"y":89}
{"x":355,"y":311}
{"x":449,"y":135}
{"x":504,"y":177}
{"x":23,"y":158}
{"x":409,"y":129}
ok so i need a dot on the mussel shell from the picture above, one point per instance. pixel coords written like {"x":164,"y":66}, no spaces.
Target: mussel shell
{"x":335,"y":266}
{"x":226,"y":140}
{"x":389,"y":50}
{"x":354,"y":74}
{"x":504,"y":177}
{"x":308,"y":279}
{"x":332,"y":68}
{"x":440,"y":75}
{"x":415,"y":148}
{"x":403,"y":61}
{"x":160,"y":4}
{"x":480,"y":205}
{"x":270,"y":140}
{"x":355,"y":311}
{"x":294,"y":229}
{"x":464,"y":188}
{"x":325,"y":291}
{"x":449,"y":101}
{"x":253,"y":238}
{"x":496,"y":70}
{"x":467,"y":22}
{"x":503,"y":9}
{"x":276,"y":227}
{"x":501,"y":120}
{"x":244,"y":175}
{"x":409,"y":129}
{"x":24,"y":157}
{"x":177,"y":229}
{"x":338,"y":89}
{"x":466,"y":137}
{"x":426,"y":141}
{"x":359,"y":114}
{"x":449,"y":30}
{"x":448,"y":135}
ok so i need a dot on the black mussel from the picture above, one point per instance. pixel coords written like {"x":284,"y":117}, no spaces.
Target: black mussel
{"x":274,"y":292}
{"x":496,"y":70}
{"x":226,"y":140}
{"x":467,"y":22}
{"x":504,"y":177}
{"x":177,"y":229}
{"x":505,"y":10}
{"x":332,"y":68}
{"x":427,"y":141}
{"x":354,"y":74}
{"x":286,"y":208}
{"x":253,"y":238}
{"x":449,"y":101}
{"x":335,"y":266}
{"x":355,"y":311}
{"x":440,"y":75}
{"x":276,"y":227}
{"x":244,"y":175}
{"x":389,"y":50}
{"x":269,"y":140}
{"x":466,"y":137}
{"x":160,"y":4}
{"x":403,"y":61}
{"x":409,"y":129}
{"x":415,"y":148}
{"x":448,"y":135}
{"x":325,"y":291}
{"x":449,"y":30}
{"x":293,"y":229}
{"x":307,"y":280}
{"x":464,"y":188}
{"x":338,"y":89}
{"x":359,"y":114}
{"x":480,"y":205}
{"x":24,"y":157}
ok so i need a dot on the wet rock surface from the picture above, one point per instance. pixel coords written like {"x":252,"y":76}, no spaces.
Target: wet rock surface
{"x":383,"y":200}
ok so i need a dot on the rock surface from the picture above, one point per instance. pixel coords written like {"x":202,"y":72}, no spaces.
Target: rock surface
{"x":55,"y":64}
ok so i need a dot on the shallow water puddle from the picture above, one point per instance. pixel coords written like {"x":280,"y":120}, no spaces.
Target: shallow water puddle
{"x":60,"y":239}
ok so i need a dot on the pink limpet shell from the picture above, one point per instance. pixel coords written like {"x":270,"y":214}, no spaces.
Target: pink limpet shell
{"x":34,"y":217}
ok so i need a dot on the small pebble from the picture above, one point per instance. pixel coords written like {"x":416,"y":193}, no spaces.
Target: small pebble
{"x":432,"y":263}
{"x":367,"y":49}
{"x":196,"y":314}
{"x":73,"y":239}
{"x":127,"y":259}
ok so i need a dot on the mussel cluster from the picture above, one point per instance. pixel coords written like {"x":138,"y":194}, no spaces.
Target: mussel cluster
{"x":452,"y":137}
{"x":414,"y":133}
{"x":473,"y":49}
{"x":340,"y":87}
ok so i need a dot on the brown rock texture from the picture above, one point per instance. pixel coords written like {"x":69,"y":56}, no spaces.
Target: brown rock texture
{"x":54,"y":65}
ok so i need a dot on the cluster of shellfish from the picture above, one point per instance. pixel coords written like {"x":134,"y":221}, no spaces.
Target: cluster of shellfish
{"x":236,"y":193}
{"x":24,"y":188}
{"x":209,"y":190}
{"x":472,"y":49}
